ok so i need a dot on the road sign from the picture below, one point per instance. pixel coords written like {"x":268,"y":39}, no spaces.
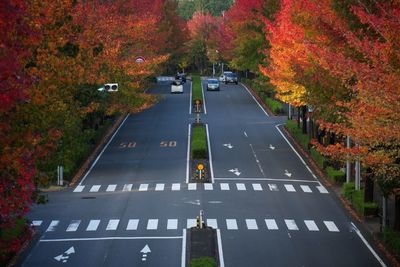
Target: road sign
{"x":200,"y":167}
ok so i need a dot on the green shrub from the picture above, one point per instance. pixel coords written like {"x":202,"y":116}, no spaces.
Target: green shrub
{"x":357,"y":200}
{"x":199,"y":143}
{"x":275,"y":106}
{"x":203,"y":262}
{"x":392,"y":239}
{"x":197,"y":93}
{"x":348,"y":189}
{"x":318,"y":158}
{"x":297,"y":134}
{"x":336,"y":176}
{"x":370,"y":208}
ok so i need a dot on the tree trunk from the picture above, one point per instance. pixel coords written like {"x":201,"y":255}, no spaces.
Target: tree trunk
{"x":369,"y":188}
{"x":298,"y":117}
{"x":397,"y":213}
{"x":304,"y":118}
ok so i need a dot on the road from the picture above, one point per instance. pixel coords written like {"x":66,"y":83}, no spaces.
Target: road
{"x":134,"y":206}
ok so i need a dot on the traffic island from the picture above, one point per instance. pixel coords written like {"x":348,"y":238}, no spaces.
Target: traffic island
{"x":197,"y":95}
{"x":200,"y":169}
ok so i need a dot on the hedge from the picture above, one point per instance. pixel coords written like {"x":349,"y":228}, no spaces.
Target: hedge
{"x":319,"y":159}
{"x":296,"y":132}
{"x":197,"y":93}
{"x":348,"y":189}
{"x":336,"y":176}
{"x":274,"y":105}
{"x":199,"y":143}
{"x":203,"y":262}
{"x":392,"y":239}
{"x":356,"y":198}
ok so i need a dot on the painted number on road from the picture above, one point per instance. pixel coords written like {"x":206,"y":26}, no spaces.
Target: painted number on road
{"x":127,"y":145}
{"x":168,"y":144}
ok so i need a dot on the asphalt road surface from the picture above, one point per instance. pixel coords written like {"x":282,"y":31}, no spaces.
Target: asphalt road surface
{"x":134,"y":206}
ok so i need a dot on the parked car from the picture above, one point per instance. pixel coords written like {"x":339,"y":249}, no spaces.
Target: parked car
{"x":176,"y":87}
{"x":231,"y":78}
{"x":212,"y":85}
{"x":181,"y":77}
{"x":223,"y":75}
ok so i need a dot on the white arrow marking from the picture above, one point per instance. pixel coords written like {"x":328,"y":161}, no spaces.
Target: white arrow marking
{"x":146,"y":249}
{"x":288,"y":174}
{"x":196,"y":202}
{"x":271,"y":147}
{"x":215,"y":202}
{"x":235,"y":171}
{"x":228,"y":145}
{"x":63,"y":258}
{"x":70,"y":251}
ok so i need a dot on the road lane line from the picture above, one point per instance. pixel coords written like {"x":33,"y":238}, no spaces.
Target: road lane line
{"x":192,"y":186}
{"x":220,"y":251}
{"x":322,"y":189}
{"x":231,"y":224}
{"x":36,"y":223}
{"x":73,"y":226}
{"x":172,"y":224}
{"x":143,"y":187}
{"x":111,"y":188}
{"x":251,"y":224}
{"x":306,"y":188}
{"x":102,"y":151}
{"x":311,"y":225}
{"x":204,"y":99}
{"x":93,"y":225}
{"x":331,"y":226}
{"x":127,"y":188}
{"x":290,"y":188}
{"x":210,"y":155}
{"x":176,"y":187}
{"x":255,"y":99}
{"x":241,"y":187}
{"x":110,"y":238}
{"x":188,"y":151}
{"x":271,"y":224}
{"x":53,"y":225}
{"x":208,"y":186}
{"x":132,"y":224}
{"x":212,"y":223}
{"x":79,"y":188}
{"x":257,"y":187}
{"x":190,"y":223}
{"x":291,"y":225}
{"x":224,"y":186}
{"x":368,"y":245}
{"x":152,"y":224}
{"x":265,"y":179}
{"x":190,"y":99}
{"x":183,"y":256}
{"x":257,"y":161}
{"x":160,"y":187}
{"x":112,"y":225}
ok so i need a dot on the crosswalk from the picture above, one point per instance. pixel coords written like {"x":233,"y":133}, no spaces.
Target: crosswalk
{"x":258,"y":187}
{"x":153,"y":224}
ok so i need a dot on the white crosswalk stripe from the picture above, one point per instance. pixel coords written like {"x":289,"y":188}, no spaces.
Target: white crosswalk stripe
{"x":73,"y":226}
{"x":290,"y":188}
{"x":79,"y":188}
{"x":291,"y":225}
{"x":224,"y":186}
{"x":95,"y":188}
{"x":257,"y":187}
{"x":231,"y":224}
{"x":112,"y":225}
{"x":322,"y":189}
{"x":306,"y":188}
{"x":160,"y":187}
{"x":111,"y":188}
{"x":192,"y":186}
{"x":93,"y":225}
{"x":132,"y":224}
{"x":240,"y":186}
{"x":212,"y":223}
{"x":331,"y":226}
{"x":53,"y":225}
{"x":152,"y":224}
{"x":311,"y":225}
{"x":143,"y":187}
{"x":208,"y":186}
{"x":271,"y":224}
{"x":176,"y":187}
{"x":172,"y":224}
{"x":190,"y":223}
{"x":251,"y":224}
{"x":273,"y":187}
{"x":127,"y":187}
{"x":36,"y":223}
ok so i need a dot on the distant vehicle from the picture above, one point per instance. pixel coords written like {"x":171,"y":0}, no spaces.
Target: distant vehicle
{"x":223,"y":75}
{"x":176,"y":87}
{"x":212,"y":85}
{"x":181,"y":77}
{"x":231,"y":78}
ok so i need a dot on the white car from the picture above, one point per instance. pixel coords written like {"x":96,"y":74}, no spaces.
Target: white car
{"x":223,"y":75}
{"x":176,"y":87}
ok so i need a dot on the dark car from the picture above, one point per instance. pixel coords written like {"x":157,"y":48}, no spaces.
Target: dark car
{"x":181,"y":77}
{"x":231,"y":78}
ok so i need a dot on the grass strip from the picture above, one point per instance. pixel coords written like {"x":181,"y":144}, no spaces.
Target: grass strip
{"x":199,"y":143}
{"x":196,"y":89}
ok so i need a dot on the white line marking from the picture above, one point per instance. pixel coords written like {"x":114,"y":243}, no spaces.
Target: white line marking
{"x":190,"y":223}
{"x":273,"y":187}
{"x":311,"y":225}
{"x":160,"y":187}
{"x":127,"y":188}
{"x":112,"y":225}
{"x":95,"y":188}
{"x":93,"y":225}
{"x":331,"y":226}
{"x":192,"y":186}
{"x":245,"y":134}
{"x":257,"y":187}
{"x":265,"y":179}
{"x":291,"y":225}
{"x":257,"y":161}
{"x":132,"y":224}
{"x":111,"y":238}
{"x":183,"y":257}
{"x":176,"y":187}
{"x":52,"y":226}
{"x":290,"y":188}
{"x":79,"y":188}
{"x":368,"y":245}
{"x":36,"y":223}
{"x":152,"y":224}
{"x":224,"y":186}
{"x":212,"y":223}
{"x":322,"y":189}
{"x":240,"y":187}
{"x":188,"y":146}
{"x":204,"y":99}
{"x":73,"y":226}
{"x":190,"y":99}
{"x":271,"y":224}
{"x":255,"y":99}
{"x":172,"y":224}
{"x":111,"y":188}
{"x":231,"y":224}
{"x":306,"y":188}
{"x":143,"y":187}
{"x":210,"y":155}
{"x":220,"y":251}
{"x":102,"y":151}
{"x":251,"y":224}
{"x":208,"y":186}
